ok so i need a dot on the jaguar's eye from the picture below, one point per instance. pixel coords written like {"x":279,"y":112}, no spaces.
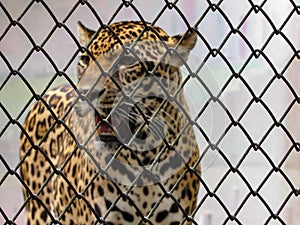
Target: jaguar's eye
{"x":128,"y":60}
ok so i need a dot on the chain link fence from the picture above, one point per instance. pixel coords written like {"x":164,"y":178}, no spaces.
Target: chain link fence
{"x":244,"y":94}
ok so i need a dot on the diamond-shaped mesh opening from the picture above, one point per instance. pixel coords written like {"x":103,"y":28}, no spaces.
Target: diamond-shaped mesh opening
{"x":14,"y":39}
{"x":254,"y":161}
{"x":13,"y":90}
{"x":237,"y":97}
{"x":258,"y":208}
{"x":38,"y":10}
{"x":256,"y":127}
{"x":280,"y":87}
{"x":213,"y":18}
{"x":241,"y":87}
{"x":282,"y":188}
{"x":235,"y":151}
{"x":272,"y":144}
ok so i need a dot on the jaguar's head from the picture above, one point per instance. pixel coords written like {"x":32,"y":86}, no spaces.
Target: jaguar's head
{"x":129,"y":75}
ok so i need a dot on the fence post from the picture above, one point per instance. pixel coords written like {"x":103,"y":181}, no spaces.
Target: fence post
{"x":236,"y":198}
{"x":205,"y":218}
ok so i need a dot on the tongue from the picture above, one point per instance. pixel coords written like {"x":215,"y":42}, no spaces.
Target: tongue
{"x":104,"y":129}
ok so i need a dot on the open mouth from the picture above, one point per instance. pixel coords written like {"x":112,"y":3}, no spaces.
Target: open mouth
{"x":116,"y":130}
{"x":104,"y":130}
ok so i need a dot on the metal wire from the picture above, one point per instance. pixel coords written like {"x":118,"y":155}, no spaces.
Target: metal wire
{"x":234,"y":122}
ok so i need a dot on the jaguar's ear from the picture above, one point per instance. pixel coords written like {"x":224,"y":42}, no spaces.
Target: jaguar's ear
{"x":85,"y":34}
{"x":186,"y":42}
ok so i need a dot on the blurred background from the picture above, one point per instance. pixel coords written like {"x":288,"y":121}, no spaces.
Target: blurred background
{"x":255,"y":43}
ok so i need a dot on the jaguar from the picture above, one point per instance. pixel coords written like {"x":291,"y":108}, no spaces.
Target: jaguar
{"x":118,"y":147}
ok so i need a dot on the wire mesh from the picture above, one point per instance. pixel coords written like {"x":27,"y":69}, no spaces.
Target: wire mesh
{"x":249,"y":164}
